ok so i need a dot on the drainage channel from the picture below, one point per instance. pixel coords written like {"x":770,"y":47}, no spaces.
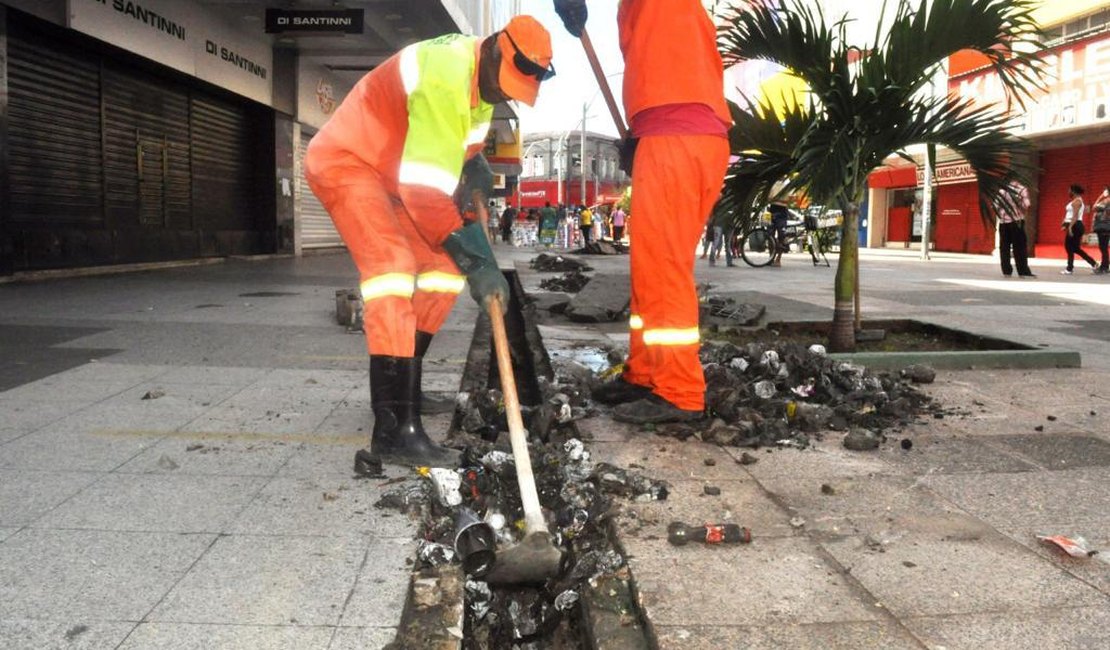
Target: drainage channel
{"x":591,"y":603}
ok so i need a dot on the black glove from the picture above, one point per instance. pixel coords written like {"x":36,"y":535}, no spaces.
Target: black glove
{"x":627,"y":149}
{"x":573,"y":13}
{"x":469,"y":249}
{"x":477,"y":177}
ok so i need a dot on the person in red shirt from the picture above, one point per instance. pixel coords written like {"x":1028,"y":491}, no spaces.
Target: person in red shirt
{"x":678,"y":152}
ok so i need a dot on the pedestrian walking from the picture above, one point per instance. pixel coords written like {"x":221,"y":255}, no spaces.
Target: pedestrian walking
{"x":677,"y":154}
{"x":706,"y":240}
{"x":549,"y":224}
{"x":722,"y":239}
{"x":1101,"y":227}
{"x":507,"y":219}
{"x":1074,"y":229}
{"x":386,"y":166}
{"x":1012,"y":237}
{"x":618,"y":224}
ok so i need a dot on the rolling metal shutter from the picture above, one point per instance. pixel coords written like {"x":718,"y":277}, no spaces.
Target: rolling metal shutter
{"x":223,"y":178}
{"x":317,"y":229}
{"x":54,"y":133}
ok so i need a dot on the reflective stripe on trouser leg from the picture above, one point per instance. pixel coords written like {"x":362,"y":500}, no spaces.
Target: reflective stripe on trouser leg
{"x":678,"y":179}
{"x":635,"y":367}
{"x":364,"y":214}
{"x":438,"y":281}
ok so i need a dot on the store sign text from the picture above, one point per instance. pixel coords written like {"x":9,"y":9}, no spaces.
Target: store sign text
{"x":148,"y":17}
{"x":235,"y":59}
{"x":1078,"y":92}
{"x":949,"y":174}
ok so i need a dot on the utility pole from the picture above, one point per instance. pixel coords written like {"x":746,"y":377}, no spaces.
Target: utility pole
{"x":585,"y":107}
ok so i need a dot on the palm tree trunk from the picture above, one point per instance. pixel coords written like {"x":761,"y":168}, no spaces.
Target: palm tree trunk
{"x":842,"y":336}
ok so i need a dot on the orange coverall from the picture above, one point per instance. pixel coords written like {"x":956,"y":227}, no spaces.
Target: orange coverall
{"x":671,"y":58}
{"x":394,"y":229}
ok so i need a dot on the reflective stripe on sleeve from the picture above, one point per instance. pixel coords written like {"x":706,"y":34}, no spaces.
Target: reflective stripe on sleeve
{"x":477,"y":134}
{"x":401,"y":285}
{"x":683,"y":336}
{"x":418,"y":173}
{"x":635,"y":322}
{"x":440,"y":282}
{"x":410,"y":69}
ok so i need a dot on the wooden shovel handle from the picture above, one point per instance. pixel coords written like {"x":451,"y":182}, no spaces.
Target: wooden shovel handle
{"x":603,"y":83}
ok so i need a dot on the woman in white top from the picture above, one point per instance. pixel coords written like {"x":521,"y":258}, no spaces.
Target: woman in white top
{"x":1073,"y":229}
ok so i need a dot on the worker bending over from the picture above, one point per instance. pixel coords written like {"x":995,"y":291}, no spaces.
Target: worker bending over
{"x":386,"y":166}
{"x":678,"y":122}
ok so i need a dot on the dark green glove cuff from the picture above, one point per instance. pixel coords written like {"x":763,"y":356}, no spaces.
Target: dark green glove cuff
{"x":470,"y":250}
{"x":478,"y":176}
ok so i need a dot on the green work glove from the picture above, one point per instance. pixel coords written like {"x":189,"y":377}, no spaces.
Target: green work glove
{"x":477,"y":177}
{"x":469,"y":249}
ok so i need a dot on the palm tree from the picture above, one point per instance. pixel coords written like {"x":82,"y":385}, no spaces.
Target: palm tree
{"x":866,"y":104}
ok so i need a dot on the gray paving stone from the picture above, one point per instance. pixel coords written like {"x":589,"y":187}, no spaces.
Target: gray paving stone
{"x":362,"y":638}
{"x":6,"y":532}
{"x":938,"y":574}
{"x":1058,"y":452}
{"x":229,"y":454}
{"x":297,"y":378}
{"x":329,"y":457}
{"x":825,"y":459}
{"x":182,"y":504}
{"x":51,"y":635}
{"x":266,"y":409}
{"x":252,"y":580}
{"x":382,"y":587}
{"x":814,"y":636}
{"x":68,"y":445}
{"x":347,"y":420}
{"x":26,"y":496}
{"x":777,"y":581}
{"x":95,"y":380}
{"x":669,"y":459}
{"x":933,"y":454}
{"x":232,"y":376}
{"x":740,"y":502}
{"x":189,"y":636}
{"x":92,"y":575}
{"x":1086,"y":628}
{"x":326,"y":505}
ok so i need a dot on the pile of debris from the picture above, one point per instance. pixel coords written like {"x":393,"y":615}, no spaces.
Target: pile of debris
{"x":569,"y":282}
{"x":766,"y":395}
{"x":549,"y":262}
{"x":602,"y":248}
{"x":575,"y":492}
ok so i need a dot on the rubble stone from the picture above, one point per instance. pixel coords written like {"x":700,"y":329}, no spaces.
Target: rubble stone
{"x":919,"y":374}
{"x":860,"y":439}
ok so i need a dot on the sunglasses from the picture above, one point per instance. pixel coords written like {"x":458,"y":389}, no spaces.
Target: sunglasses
{"x":528,"y":66}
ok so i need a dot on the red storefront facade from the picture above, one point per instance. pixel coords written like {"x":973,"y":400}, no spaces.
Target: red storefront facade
{"x":534,"y":193}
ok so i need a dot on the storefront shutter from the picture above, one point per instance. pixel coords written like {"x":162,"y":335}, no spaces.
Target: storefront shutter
{"x":317,"y":229}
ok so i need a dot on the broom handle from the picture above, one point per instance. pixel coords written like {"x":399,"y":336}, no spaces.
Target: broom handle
{"x":529,"y":499}
{"x":602,"y":83}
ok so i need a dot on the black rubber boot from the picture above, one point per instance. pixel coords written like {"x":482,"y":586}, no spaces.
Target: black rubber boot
{"x":398,"y":436}
{"x":653,"y":410}
{"x":619,"y":391}
{"x":429,"y":404}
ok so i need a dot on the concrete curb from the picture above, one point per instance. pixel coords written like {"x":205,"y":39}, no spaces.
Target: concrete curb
{"x":967,"y":360}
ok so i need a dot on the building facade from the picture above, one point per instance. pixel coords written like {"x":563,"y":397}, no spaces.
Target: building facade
{"x":565,"y":168}
{"x":135,"y":131}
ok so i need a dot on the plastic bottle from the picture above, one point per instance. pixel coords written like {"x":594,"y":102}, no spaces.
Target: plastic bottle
{"x":679,"y":534}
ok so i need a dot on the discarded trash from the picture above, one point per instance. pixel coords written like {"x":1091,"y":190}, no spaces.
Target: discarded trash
{"x":566,"y":600}
{"x":1073,"y":546}
{"x":549,"y":262}
{"x":907,"y":444}
{"x":570,"y":282}
{"x":680,"y":534}
{"x":712,"y":490}
{"x":747,"y":459}
{"x":859,"y":439}
{"x":154,"y":394}
{"x":797,"y":522}
{"x":478,"y":598}
{"x":474,"y":543}
{"x":817,"y":349}
{"x":434,"y":554}
{"x":827,"y":489}
{"x":447,"y":483}
{"x":764,"y":389}
{"x":919,"y":374}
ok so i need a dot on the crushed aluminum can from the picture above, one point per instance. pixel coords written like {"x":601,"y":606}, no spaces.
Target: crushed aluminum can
{"x":447,"y":483}
{"x":764,"y":389}
{"x":818,"y":349}
{"x":770,"y":359}
{"x":739,"y":364}
{"x":495,"y":460}
{"x":434,"y":554}
{"x":576,"y":450}
{"x":478,"y":598}
{"x":566,"y":600}
{"x":565,"y":414}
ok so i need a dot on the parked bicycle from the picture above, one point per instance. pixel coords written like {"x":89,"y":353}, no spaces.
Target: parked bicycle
{"x":816,"y":232}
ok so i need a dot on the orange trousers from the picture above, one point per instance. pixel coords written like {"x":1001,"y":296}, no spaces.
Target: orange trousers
{"x":406,"y":283}
{"x":677,"y":180}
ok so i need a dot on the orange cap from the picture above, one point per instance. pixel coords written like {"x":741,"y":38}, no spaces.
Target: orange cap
{"x":523,"y":36}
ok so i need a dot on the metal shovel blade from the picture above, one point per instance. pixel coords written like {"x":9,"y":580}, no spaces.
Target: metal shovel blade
{"x":533,"y":561}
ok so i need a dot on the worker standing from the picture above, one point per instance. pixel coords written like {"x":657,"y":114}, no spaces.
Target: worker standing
{"x":386,"y":166}
{"x":674,"y":101}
